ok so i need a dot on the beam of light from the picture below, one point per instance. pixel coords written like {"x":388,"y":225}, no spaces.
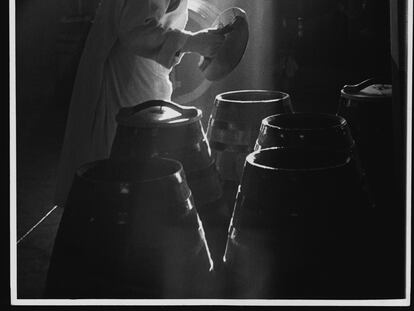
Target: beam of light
{"x":194,"y":94}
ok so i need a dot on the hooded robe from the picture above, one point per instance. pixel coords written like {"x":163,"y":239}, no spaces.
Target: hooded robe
{"x":128,"y":56}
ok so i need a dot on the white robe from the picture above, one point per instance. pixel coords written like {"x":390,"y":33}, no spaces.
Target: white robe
{"x":127,"y":59}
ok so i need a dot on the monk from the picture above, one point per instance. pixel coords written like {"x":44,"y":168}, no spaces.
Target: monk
{"x":128,"y":56}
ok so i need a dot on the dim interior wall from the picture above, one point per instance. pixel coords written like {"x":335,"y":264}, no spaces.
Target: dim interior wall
{"x":45,"y":51}
{"x":49,"y":41}
{"x":37,"y":29}
{"x":42,"y":95}
{"x":36,"y":32}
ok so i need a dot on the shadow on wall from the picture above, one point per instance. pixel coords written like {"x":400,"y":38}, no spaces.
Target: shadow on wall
{"x":49,"y":41}
{"x":36,"y":32}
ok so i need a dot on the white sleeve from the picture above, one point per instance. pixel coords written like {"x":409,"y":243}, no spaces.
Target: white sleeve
{"x":140,"y":31}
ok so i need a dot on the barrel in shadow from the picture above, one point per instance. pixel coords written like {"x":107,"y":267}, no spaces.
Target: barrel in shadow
{"x":311,"y":131}
{"x":130,"y":230}
{"x":300,"y":228}
{"x":369,"y":109}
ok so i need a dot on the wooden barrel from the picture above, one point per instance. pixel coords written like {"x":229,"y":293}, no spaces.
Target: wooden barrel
{"x":300,"y":228}
{"x":160,"y":128}
{"x":310,"y":131}
{"x":235,"y":123}
{"x":368,"y":109}
{"x":130,"y":230}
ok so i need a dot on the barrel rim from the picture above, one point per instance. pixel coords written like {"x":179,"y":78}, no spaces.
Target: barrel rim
{"x":342,"y":121}
{"x":373,"y":98}
{"x":285,"y":96}
{"x":250,"y":159}
{"x":178,"y":170}
{"x":127,"y":112}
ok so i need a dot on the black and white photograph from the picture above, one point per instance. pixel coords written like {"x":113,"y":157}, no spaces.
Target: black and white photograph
{"x":210,"y":152}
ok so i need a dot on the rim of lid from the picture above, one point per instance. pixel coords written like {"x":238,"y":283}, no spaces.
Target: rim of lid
{"x":252,"y":159}
{"x":282,"y":96}
{"x":341,"y":122}
{"x":365,"y":96}
{"x":125,"y":117}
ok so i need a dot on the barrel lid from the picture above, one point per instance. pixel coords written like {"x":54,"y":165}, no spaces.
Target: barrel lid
{"x":252,"y":97}
{"x":158,"y":113}
{"x":370,"y":90}
{"x":234,"y":24}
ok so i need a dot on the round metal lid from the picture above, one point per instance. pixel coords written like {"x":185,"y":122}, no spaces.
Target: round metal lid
{"x":234,"y":23}
{"x":158,"y":113}
{"x":383,"y":90}
{"x":368,"y":90}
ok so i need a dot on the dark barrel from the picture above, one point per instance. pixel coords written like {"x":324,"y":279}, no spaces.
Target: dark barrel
{"x":300,"y":228}
{"x":130,"y":230}
{"x":306,"y":130}
{"x":310,"y":131}
{"x":235,"y":123}
{"x":369,"y":108}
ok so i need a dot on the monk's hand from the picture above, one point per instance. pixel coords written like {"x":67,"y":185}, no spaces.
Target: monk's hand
{"x":206,"y":42}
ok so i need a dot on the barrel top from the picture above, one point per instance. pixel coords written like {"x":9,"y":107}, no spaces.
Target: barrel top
{"x":252,"y":97}
{"x":232,"y":50}
{"x":109,"y":171}
{"x":304,"y":121}
{"x":374,"y":92}
{"x":158,"y":113}
{"x":297,"y":159}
